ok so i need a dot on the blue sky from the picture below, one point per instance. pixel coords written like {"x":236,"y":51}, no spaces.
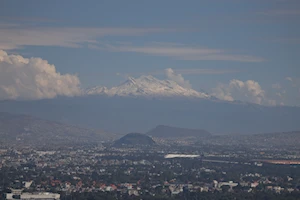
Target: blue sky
{"x":212,"y":43}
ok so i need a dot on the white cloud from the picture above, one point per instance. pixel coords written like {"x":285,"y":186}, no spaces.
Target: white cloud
{"x":171,"y":75}
{"x":286,"y":92}
{"x":223,"y":92}
{"x":249,"y":91}
{"x":34,"y":78}
{"x":182,"y":52}
{"x":13,"y":37}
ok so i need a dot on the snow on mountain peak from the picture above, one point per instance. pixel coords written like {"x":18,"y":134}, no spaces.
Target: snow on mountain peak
{"x":147,"y":86}
{"x":130,"y":81}
{"x":96,"y":90}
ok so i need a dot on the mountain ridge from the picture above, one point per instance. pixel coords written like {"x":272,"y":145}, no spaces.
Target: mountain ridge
{"x":134,"y":139}
{"x":125,"y":114}
{"x":147,"y":86}
{"x":32,"y":130}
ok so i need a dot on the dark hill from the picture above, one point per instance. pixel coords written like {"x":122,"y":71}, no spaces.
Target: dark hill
{"x":168,"y":131}
{"x":134,"y":139}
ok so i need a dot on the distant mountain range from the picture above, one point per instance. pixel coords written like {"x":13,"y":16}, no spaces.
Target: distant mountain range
{"x":163,"y":131}
{"x":142,"y":103}
{"x":148,"y":87}
{"x":125,"y":115}
{"x":24,"y":129}
{"x":30,"y":130}
{"x":134,"y":140}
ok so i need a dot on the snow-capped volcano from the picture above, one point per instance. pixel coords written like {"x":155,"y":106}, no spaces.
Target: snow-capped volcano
{"x":147,"y":86}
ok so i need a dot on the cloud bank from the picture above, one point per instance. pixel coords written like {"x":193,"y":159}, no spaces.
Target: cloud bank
{"x":181,"y":52}
{"x":13,"y":37}
{"x":171,"y":75}
{"x":33,"y":78}
{"x":249,"y":91}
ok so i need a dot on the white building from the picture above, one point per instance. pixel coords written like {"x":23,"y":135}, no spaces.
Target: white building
{"x":231,"y":184}
{"x":16,"y":194}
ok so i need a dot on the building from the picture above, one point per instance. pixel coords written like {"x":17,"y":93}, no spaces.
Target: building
{"x":18,"y":194}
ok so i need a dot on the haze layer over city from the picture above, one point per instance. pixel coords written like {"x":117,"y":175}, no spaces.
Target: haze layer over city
{"x":150,"y":99}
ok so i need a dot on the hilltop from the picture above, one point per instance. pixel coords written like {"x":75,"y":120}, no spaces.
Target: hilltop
{"x":30,"y":130}
{"x":134,"y":139}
